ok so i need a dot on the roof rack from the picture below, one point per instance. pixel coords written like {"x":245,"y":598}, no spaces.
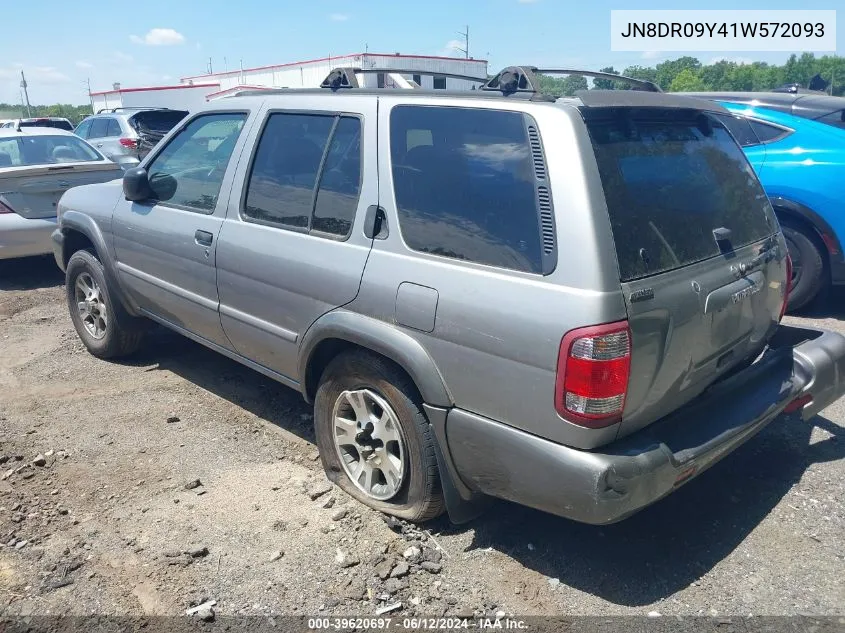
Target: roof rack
{"x":345,"y":77}
{"x":102,"y":110}
{"x":516,"y":81}
{"x":523,"y":79}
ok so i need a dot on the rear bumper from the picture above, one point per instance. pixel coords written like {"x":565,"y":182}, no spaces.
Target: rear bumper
{"x":20,"y":237}
{"x":615,"y":481}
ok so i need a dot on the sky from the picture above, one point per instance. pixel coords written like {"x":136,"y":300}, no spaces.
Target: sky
{"x":156,"y":42}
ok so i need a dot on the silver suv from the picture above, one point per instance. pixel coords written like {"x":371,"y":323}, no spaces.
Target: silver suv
{"x":573,"y":304}
{"x":126,"y":135}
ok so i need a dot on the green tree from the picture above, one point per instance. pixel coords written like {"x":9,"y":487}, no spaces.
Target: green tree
{"x":606,"y":84}
{"x":668,"y":70}
{"x":687,"y":81}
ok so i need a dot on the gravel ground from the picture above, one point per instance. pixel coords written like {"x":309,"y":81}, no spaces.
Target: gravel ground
{"x":150,"y":486}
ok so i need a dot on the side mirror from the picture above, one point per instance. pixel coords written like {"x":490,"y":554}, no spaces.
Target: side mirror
{"x":136,"y":185}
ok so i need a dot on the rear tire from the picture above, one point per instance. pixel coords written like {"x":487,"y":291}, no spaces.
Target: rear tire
{"x":808,"y":270}
{"x":412,"y":489}
{"x":101,"y":322}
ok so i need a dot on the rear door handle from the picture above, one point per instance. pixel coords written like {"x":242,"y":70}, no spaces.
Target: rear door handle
{"x":203,"y":238}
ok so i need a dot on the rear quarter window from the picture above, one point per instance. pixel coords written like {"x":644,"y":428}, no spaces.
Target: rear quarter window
{"x":465,"y":185}
{"x":670,"y":178}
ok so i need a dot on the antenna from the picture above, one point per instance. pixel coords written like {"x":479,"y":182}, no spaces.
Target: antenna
{"x":26,"y":94}
{"x":465,"y":49}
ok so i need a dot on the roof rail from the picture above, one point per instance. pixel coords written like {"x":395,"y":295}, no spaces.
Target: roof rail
{"x":117,"y":109}
{"x":345,"y":77}
{"x":523,"y":79}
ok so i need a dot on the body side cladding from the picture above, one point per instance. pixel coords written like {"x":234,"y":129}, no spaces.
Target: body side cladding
{"x":377,"y":336}
{"x":84,"y":224}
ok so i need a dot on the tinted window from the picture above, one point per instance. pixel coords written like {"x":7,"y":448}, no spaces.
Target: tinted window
{"x":281,"y":186}
{"x":740,"y":128}
{"x":464,"y":185}
{"x":670,"y":179}
{"x":114,"y":128}
{"x":84,"y":127}
{"x":99,"y":128}
{"x":340,"y":182}
{"x":440,"y":83}
{"x":768,"y":133}
{"x":45,"y":150}
{"x":188,"y":172}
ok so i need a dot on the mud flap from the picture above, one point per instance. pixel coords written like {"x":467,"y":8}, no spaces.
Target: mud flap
{"x":462,"y":504}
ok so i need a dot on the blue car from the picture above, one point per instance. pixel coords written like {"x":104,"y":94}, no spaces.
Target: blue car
{"x":796,"y":143}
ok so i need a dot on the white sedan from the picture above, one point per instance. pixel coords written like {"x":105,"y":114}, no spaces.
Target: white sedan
{"x":37,"y":165}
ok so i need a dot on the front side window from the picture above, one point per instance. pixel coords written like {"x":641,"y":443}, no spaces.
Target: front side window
{"x":189,"y":171}
{"x":306,"y":173}
{"x":83,"y":129}
{"x":465,"y":185}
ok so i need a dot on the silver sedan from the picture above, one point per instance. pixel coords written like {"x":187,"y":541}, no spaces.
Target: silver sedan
{"x":37,"y":165}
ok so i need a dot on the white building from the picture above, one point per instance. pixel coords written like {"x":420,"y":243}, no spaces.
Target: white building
{"x":193,"y":92}
{"x":179,"y":97}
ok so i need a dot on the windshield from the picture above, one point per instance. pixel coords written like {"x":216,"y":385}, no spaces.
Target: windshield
{"x":670,"y":179}
{"x":21,"y":151}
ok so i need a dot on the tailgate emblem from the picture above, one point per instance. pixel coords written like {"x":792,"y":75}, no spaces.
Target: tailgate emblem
{"x":643,"y":294}
{"x":745,"y":293}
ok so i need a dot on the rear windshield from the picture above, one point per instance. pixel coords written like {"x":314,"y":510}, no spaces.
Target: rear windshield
{"x":157,"y":120}
{"x":670,"y":178}
{"x":61,"y":125}
{"x":21,"y":151}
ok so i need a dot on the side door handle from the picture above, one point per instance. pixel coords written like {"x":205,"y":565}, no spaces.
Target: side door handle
{"x":203,"y":238}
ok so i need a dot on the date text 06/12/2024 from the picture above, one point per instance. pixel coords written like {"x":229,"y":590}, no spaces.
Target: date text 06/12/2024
{"x":416,"y":624}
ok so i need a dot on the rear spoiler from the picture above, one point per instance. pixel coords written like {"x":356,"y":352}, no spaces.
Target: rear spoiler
{"x":639,"y":99}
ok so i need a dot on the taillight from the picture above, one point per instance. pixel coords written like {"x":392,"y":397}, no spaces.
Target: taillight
{"x":788,"y":286}
{"x":4,"y":208}
{"x":593,"y":367}
{"x":131,"y":143}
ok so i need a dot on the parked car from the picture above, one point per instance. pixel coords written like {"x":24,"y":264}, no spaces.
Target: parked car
{"x":796,"y":143}
{"x":37,"y":165}
{"x":126,"y":135}
{"x":45,"y":121}
{"x":574,"y":305}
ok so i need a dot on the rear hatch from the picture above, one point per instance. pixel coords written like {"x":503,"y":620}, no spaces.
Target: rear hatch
{"x":33,"y":191}
{"x":153,"y":125}
{"x":701,"y":262}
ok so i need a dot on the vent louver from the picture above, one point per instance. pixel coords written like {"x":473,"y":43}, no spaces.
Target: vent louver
{"x":547,"y":225}
{"x":536,"y":153}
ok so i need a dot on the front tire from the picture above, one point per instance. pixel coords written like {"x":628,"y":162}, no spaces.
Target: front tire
{"x":808,"y":272}
{"x":101,"y":322}
{"x":374,"y":438}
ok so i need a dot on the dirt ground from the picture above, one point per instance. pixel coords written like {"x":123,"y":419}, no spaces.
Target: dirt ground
{"x":114,"y":521}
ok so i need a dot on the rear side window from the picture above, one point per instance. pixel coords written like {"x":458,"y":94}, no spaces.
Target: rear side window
{"x":113,"y":128}
{"x":768,"y":133}
{"x":466,"y":186}
{"x":306,"y":173}
{"x":740,"y":128}
{"x":670,"y":178}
